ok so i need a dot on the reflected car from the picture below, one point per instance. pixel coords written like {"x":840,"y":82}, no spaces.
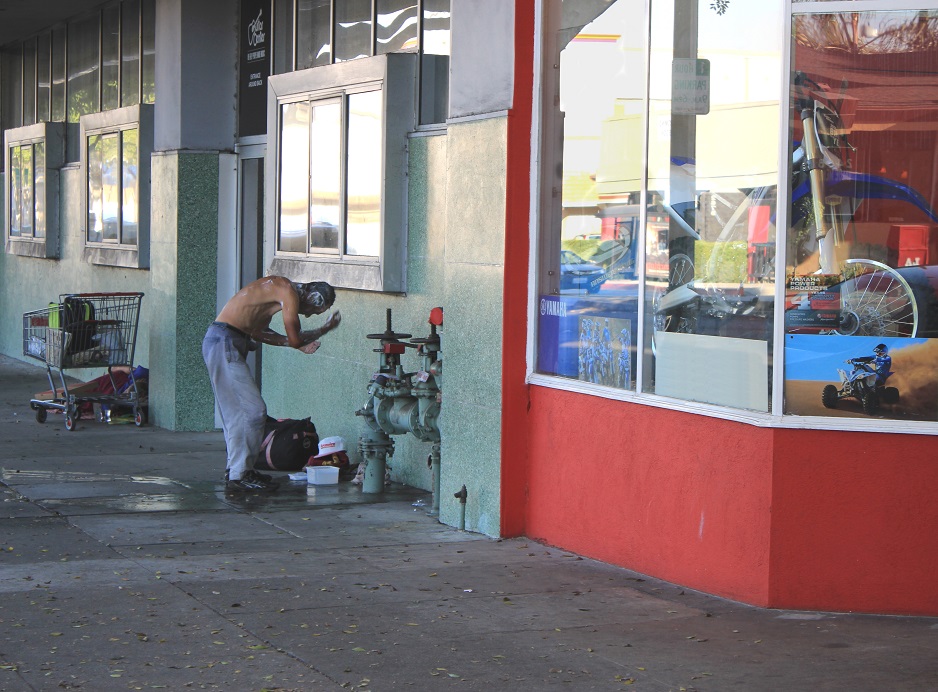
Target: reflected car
{"x":580,"y":274}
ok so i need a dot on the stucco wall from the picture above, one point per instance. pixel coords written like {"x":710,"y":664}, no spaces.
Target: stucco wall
{"x":455,"y":261}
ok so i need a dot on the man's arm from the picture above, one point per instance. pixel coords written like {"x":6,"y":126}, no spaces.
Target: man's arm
{"x":303,"y":338}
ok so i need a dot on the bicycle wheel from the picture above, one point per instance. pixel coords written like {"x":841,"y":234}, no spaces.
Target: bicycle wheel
{"x":876,"y":301}
{"x":680,"y":272}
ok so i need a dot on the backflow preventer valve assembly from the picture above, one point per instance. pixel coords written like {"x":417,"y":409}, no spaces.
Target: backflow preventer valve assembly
{"x":403,"y":402}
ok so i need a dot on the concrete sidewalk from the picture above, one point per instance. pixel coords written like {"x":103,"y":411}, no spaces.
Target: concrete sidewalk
{"x":124,"y":566}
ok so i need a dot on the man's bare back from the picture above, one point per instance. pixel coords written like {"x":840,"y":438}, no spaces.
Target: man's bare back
{"x":252,"y":308}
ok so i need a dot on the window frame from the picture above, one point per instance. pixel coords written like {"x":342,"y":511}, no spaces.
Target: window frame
{"x":394,"y":74}
{"x":52,"y":136}
{"x":114,"y":122}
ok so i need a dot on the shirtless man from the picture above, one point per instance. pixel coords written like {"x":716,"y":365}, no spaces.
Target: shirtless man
{"x":243,"y":321}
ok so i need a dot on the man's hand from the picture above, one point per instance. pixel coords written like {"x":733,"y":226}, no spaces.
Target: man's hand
{"x":335,"y":319}
{"x":310,"y":348}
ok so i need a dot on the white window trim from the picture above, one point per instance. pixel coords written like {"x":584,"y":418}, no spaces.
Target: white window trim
{"x":395,"y":75}
{"x":775,"y":418}
{"x":112,"y":122}
{"x":53,"y":136}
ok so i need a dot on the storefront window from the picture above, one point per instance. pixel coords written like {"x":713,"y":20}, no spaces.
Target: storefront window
{"x":699,"y":219}
{"x":861,"y":318}
{"x":588,"y":280}
{"x":711,"y":201}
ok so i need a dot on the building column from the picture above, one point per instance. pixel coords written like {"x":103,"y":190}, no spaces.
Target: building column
{"x":194,"y":123}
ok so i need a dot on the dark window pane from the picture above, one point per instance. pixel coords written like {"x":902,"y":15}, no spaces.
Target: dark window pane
{"x":364,"y":174}
{"x":294,"y":176}
{"x":352,"y":29}
{"x":40,"y":195}
{"x":43,"y":77}
{"x":129,"y":187}
{"x":130,"y":53}
{"x":58,"y":74}
{"x":11,"y":84}
{"x":325,"y":176}
{"x":313,"y":41}
{"x":29,"y":82}
{"x":397,"y":26}
{"x":83,"y":73}
{"x":434,"y":62}
{"x":110,"y":58}
{"x":148,"y":52}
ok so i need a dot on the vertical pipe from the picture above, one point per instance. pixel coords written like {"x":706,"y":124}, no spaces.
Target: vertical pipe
{"x":435,"y":466}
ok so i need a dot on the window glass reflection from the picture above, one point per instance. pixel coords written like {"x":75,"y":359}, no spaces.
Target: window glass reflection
{"x":712,"y":174}
{"x":294,"y":176}
{"x":588,"y":304}
{"x":58,"y":74}
{"x":352,"y":29}
{"x":43,"y":75}
{"x":26,"y":191}
{"x":110,"y":184}
{"x":434,"y":61}
{"x":325,"y":176}
{"x":313,"y":39}
{"x":16,"y":190}
{"x":83,"y":67}
{"x":862,"y":273}
{"x":129,"y":212}
{"x":29,"y":81}
{"x":364,"y":174}
{"x":110,"y":57}
{"x":95,"y":189}
{"x":397,"y":26}
{"x":130,"y":52}
{"x":39,"y":164}
{"x":148,"y":51}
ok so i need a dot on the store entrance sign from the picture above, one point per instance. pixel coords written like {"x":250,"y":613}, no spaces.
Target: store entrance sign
{"x":690,"y":86}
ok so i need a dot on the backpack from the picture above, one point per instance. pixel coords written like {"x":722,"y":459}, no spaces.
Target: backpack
{"x":76,"y":317}
{"x":288,"y":445}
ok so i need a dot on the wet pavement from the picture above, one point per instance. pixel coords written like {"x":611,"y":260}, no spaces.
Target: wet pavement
{"x":125,"y":566}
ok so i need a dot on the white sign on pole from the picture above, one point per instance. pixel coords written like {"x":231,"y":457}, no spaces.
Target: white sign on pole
{"x":690,"y":86}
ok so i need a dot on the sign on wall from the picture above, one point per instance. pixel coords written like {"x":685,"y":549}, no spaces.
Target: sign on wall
{"x":690,"y":86}
{"x":255,"y":51}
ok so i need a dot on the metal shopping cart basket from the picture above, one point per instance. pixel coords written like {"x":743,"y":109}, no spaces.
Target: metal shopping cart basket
{"x":85,"y":330}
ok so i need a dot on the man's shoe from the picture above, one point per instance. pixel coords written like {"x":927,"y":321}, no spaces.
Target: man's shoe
{"x":252,"y":482}
{"x":265,"y":477}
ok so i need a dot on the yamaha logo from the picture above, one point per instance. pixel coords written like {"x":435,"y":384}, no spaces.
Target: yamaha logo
{"x":554,"y":308}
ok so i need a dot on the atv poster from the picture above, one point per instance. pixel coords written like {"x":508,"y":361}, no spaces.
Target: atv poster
{"x":861,"y":377}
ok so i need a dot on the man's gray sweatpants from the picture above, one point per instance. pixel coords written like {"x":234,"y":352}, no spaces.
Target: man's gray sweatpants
{"x":243,"y":411}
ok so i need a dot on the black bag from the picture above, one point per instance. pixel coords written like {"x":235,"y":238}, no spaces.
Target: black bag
{"x":288,"y":445}
{"x":77,"y":318}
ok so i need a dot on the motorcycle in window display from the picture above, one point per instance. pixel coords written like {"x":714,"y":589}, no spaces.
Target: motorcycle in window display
{"x":866,"y":382}
{"x":873,"y":299}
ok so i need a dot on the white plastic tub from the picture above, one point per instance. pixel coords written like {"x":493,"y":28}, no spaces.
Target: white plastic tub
{"x":322,"y":475}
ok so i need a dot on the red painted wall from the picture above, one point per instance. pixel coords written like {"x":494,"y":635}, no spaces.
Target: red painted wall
{"x":681,"y":497}
{"x":855,"y":522}
{"x":797,"y":519}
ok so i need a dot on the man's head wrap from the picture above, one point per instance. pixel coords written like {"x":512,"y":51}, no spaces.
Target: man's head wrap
{"x":316,"y":294}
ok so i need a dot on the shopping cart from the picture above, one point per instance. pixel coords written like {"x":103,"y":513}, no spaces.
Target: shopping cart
{"x":85,"y":330}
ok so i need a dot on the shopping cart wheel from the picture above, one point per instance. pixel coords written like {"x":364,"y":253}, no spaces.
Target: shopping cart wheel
{"x":41,"y":414}
{"x":70,"y":422}
{"x":139,"y":418}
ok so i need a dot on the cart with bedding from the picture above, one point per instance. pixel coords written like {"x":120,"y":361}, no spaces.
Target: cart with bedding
{"x":85,"y":330}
